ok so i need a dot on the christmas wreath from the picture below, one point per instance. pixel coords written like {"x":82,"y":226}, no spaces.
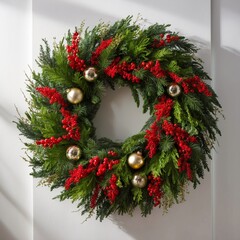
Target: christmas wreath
{"x":151,"y":168}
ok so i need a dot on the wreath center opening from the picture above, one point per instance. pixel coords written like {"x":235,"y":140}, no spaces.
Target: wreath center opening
{"x":118,"y":116}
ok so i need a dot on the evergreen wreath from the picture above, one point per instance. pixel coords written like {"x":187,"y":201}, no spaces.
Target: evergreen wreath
{"x":151,"y":168}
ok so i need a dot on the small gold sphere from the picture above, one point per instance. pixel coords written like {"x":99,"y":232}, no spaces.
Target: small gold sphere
{"x":90,"y":74}
{"x":174,"y":90}
{"x":136,"y":160}
{"x":73,"y":153}
{"x":74,"y":95}
{"x":139,"y":180}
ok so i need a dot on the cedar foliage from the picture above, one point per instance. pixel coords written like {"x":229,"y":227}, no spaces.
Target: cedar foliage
{"x":194,"y":112}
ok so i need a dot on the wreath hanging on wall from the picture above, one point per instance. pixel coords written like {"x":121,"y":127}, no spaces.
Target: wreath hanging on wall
{"x":151,"y":168}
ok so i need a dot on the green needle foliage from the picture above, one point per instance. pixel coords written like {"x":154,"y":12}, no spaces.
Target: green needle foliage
{"x":194,"y":112}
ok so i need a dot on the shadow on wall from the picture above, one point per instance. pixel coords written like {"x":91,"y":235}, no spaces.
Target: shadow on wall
{"x":57,"y":9}
{"x":226,"y":74}
{"x":18,"y":5}
{"x":15,"y":206}
{"x":181,"y":8}
{"x":5,"y":115}
{"x":182,"y":221}
{"x":5,"y":234}
{"x":227,"y":164}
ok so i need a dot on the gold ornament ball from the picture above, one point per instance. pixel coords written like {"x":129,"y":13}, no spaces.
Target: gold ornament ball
{"x":139,"y":180}
{"x":90,"y":74}
{"x":136,"y":160}
{"x":73,"y":153}
{"x":174,"y":90}
{"x":74,"y":95}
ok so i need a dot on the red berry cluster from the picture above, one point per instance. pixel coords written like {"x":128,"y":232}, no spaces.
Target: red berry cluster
{"x":111,"y":191}
{"x":192,"y":84}
{"x":164,"y":40}
{"x":69,"y":121}
{"x":94,"y":197}
{"x":80,"y":172}
{"x":154,"y":68}
{"x":70,"y":124}
{"x":49,"y":142}
{"x":175,"y":77}
{"x":112,"y":153}
{"x":112,"y":69}
{"x":170,"y":38}
{"x":163,"y":108}
{"x":76,"y":175}
{"x":103,"y":45}
{"x":52,"y":95}
{"x":154,"y":189}
{"x":153,"y":135}
{"x":74,"y":61}
{"x":100,"y":168}
{"x":182,"y":139}
{"x":195,"y":83}
{"x":124,"y":69}
{"x":106,"y":165}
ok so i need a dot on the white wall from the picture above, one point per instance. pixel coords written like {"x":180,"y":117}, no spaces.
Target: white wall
{"x":200,"y":217}
{"x":226,"y":63}
{"x":15,"y":182}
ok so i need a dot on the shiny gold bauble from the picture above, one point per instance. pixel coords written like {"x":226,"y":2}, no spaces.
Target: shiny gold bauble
{"x":73,"y":153}
{"x":74,"y":95}
{"x":136,"y":160}
{"x":139,"y":180}
{"x":90,"y":74}
{"x":174,"y":90}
